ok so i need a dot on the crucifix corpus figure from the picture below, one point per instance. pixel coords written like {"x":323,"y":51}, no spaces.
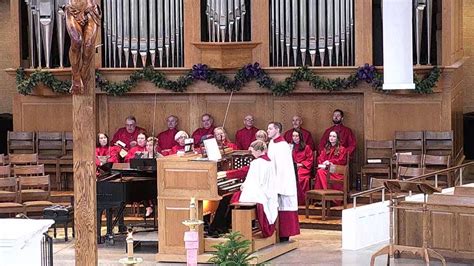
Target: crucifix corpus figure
{"x":82,"y":21}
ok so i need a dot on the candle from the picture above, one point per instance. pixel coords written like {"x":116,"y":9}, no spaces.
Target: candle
{"x":130,"y":245}
{"x":192,"y":210}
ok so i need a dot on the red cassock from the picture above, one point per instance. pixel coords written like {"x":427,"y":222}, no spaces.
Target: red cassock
{"x":112,"y":152}
{"x":132,"y":151}
{"x":304,"y":157}
{"x":244,"y":137}
{"x":337,"y":159}
{"x":231,"y":145}
{"x":200,"y":132}
{"x":166,"y":139}
{"x":174,"y":150}
{"x":126,"y":137}
{"x":307,"y":137}
{"x":346,"y":137}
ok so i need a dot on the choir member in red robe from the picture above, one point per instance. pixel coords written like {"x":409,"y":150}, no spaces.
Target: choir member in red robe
{"x":152,"y":149}
{"x":279,"y":152}
{"x":346,"y":136}
{"x":221,"y":137}
{"x":151,"y":152}
{"x":333,"y":153}
{"x":245,"y":135}
{"x":303,"y":158}
{"x":138,"y":149}
{"x":207,"y":128}
{"x":166,"y":138}
{"x":179,"y":137}
{"x":104,"y":153}
{"x":129,"y":133}
{"x":307,"y":137}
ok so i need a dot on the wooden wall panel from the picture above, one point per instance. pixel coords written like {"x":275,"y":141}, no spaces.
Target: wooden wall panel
{"x":441,"y":222}
{"x":411,"y":219}
{"x":241,"y":106}
{"x":452,"y":34}
{"x":389,"y":117}
{"x":466,"y":238}
{"x":34,"y":113}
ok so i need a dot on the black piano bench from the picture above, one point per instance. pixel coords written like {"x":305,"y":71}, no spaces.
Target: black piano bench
{"x":62,"y":216}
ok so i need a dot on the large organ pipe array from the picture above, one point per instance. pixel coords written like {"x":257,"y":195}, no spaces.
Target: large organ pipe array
{"x":320,"y":30}
{"x":226,"y":20}
{"x":139,"y":33}
{"x":41,"y":17}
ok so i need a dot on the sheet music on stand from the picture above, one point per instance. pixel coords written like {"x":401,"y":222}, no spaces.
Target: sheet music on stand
{"x":212,"y":149}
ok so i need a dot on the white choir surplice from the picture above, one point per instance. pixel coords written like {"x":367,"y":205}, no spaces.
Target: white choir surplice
{"x":282,"y":159}
{"x":259,"y":187}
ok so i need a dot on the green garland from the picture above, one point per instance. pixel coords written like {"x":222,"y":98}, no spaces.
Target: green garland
{"x":25,"y":85}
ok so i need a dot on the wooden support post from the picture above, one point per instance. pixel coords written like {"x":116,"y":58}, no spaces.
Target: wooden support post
{"x":84,"y":117}
{"x":83,"y":40}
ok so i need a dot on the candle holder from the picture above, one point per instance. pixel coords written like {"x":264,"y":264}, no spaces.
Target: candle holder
{"x":191,"y":237}
{"x":130,"y":259}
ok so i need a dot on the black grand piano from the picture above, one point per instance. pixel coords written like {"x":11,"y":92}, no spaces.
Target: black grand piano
{"x":121,"y":184}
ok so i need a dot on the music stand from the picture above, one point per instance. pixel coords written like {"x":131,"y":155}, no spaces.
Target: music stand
{"x":399,"y":186}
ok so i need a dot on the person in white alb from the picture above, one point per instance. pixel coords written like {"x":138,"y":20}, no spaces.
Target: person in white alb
{"x":280,"y":155}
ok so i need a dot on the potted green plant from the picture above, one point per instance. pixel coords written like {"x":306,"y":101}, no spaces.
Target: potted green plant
{"x":234,"y":251}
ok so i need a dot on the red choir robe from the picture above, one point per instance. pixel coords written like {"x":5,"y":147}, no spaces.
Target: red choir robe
{"x":126,"y":137}
{"x":279,"y":152}
{"x":229,"y":144}
{"x":131,"y":153}
{"x":307,"y":137}
{"x":200,"y":132}
{"x":339,"y":159}
{"x":346,"y":138}
{"x":112,"y":152}
{"x":174,"y":150}
{"x":304,"y":157}
{"x":244,"y":137}
{"x":166,"y":139}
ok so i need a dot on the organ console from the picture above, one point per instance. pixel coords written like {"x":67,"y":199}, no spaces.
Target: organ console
{"x":183,"y":177}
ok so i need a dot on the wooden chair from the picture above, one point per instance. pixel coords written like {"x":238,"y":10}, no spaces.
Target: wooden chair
{"x":434,"y":163}
{"x":5,"y":171}
{"x":439,"y":143}
{"x":408,"y":141}
{"x":20,"y":142}
{"x":50,"y":148}
{"x":326,"y":195}
{"x":65,"y":163}
{"x":23,"y":159}
{"x":9,"y":202}
{"x":34,"y":186}
{"x":407,"y":160}
{"x":378,"y":160}
{"x":409,"y":172}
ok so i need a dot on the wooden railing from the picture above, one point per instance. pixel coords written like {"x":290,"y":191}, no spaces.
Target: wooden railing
{"x":417,"y":178}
